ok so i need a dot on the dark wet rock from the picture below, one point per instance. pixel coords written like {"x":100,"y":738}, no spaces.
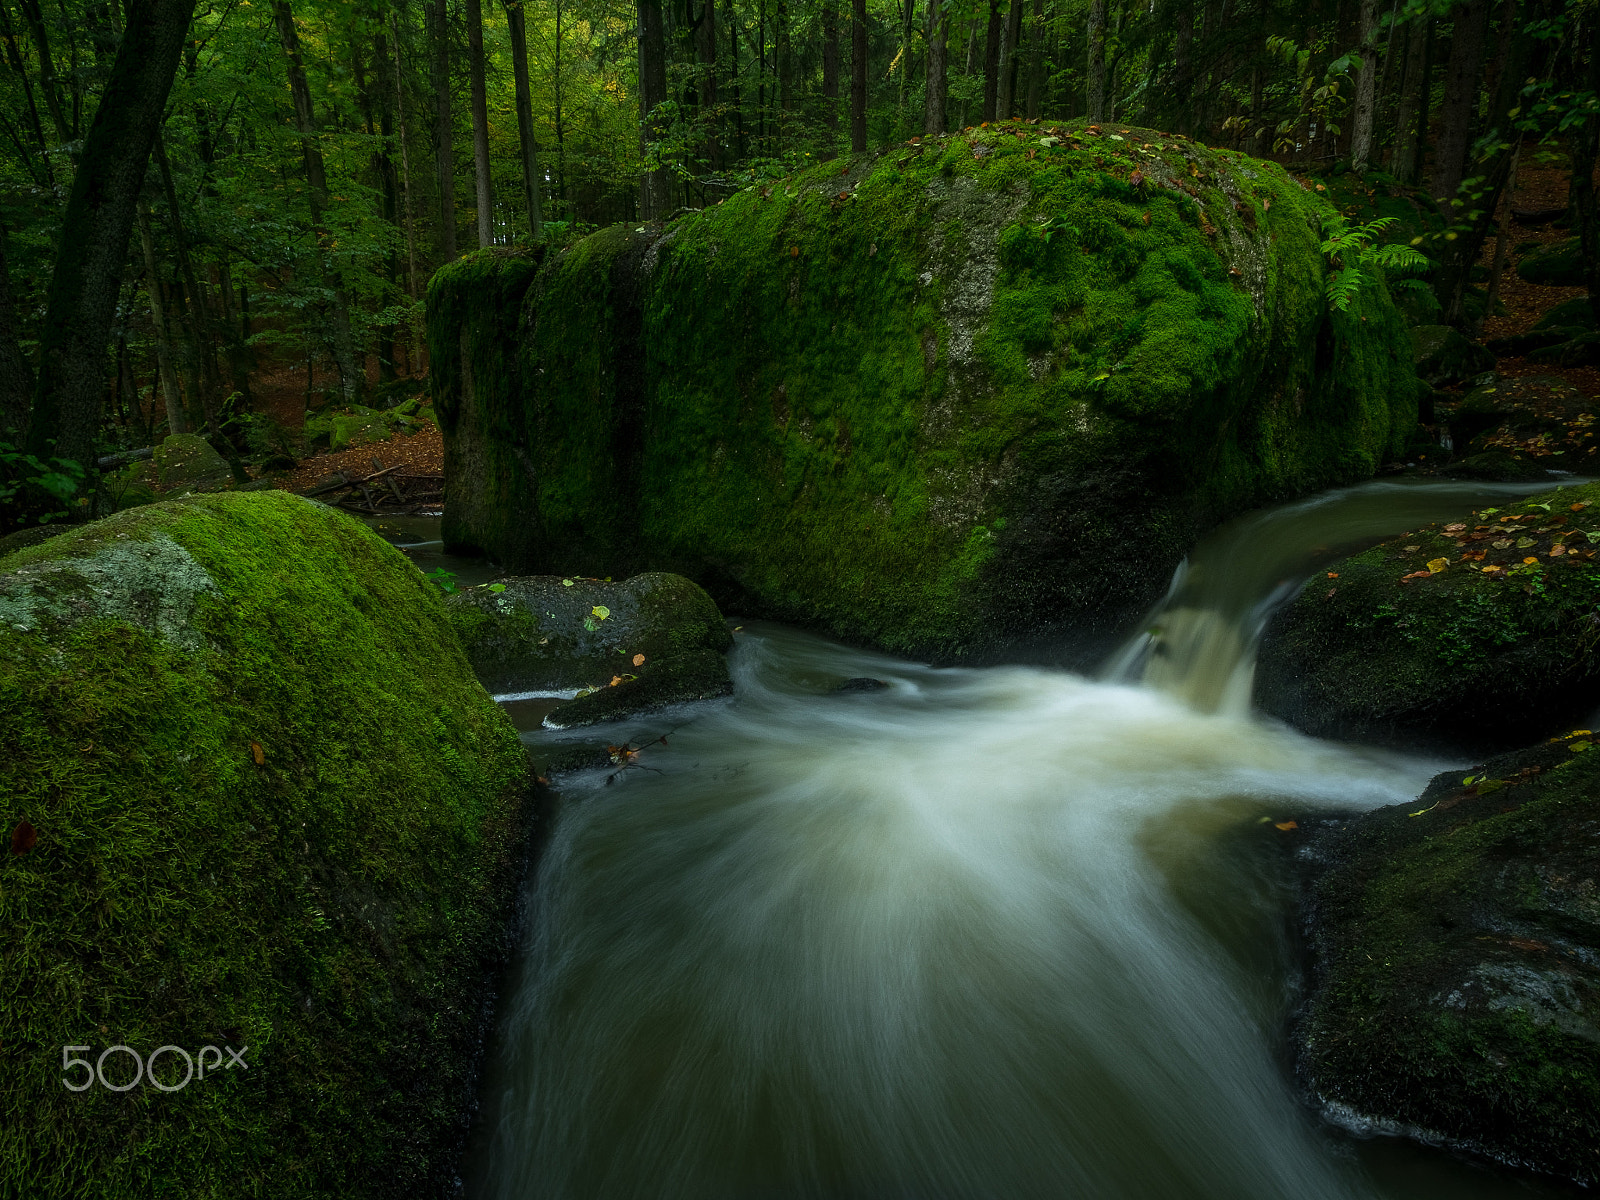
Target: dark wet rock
{"x":1412,"y":640}
{"x":1576,"y":314}
{"x":862,"y":683}
{"x":1496,"y":466}
{"x":1559,"y":264}
{"x":654,"y":640}
{"x":1443,"y":355}
{"x":1579,"y":350}
{"x":1455,"y":949}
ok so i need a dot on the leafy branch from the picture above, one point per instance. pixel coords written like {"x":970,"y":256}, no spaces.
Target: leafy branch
{"x":1354,"y":252}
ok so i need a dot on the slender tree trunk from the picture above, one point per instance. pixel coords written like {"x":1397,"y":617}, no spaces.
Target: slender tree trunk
{"x":830,"y":67}
{"x":480,"y":123}
{"x":1462,"y":81}
{"x":95,"y":226}
{"x":907,"y":10}
{"x":530,"y":155}
{"x":933,"y":119}
{"x":201,"y":334}
{"x":14,"y":57}
{"x":1005,"y":97}
{"x":444,"y":130}
{"x":1035,"y":60}
{"x":1407,"y":146}
{"x":1096,"y":75}
{"x":1361,"y":127}
{"x":407,"y":212}
{"x":177,"y":422}
{"x":705,"y":55}
{"x":653,"y":185}
{"x":1584,"y":147}
{"x":991,"y":61}
{"x":785,"y":55}
{"x":16,"y":376}
{"x":1183,"y":65}
{"x":858,"y":76}
{"x":352,"y":379}
{"x":733,"y":77}
{"x":49,"y":85}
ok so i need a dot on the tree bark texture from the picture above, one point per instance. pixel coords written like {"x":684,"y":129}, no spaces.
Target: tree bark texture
{"x":858,"y":76}
{"x":1361,"y":125}
{"x":991,"y":61}
{"x":516,"y":23}
{"x":1005,"y":96}
{"x":1096,"y":74}
{"x":830,"y":65}
{"x":933,"y":118}
{"x":653,"y":196}
{"x":480,"y":123}
{"x":76,"y":333}
{"x":1461,"y":83}
{"x":444,"y":131}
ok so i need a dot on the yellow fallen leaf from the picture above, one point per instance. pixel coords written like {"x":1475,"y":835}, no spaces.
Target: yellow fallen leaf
{"x":638,"y":660}
{"x":257,"y":753}
{"x":1286,"y":825}
{"x":1435,"y":565}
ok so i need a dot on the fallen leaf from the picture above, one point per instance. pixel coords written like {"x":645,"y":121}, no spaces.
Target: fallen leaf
{"x":1286,"y":825}
{"x":615,"y":679}
{"x":1579,"y":747}
{"x":638,"y":660}
{"x":794,"y":251}
{"x":1454,"y":528}
{"x":1436,"y":565}
{"x":566,"y":583}
{"x":1412,"y":549}
{"x":1557,"y":550}
{"x":601,"y":611}
{"x":1524,"y":543}
{"x":23,"y":838}
{"x":1333,"y":574}
{"x":1414,"y":575}
{"x":1501,"y":543}
{"x":1530,"y":559}
{"x":257,"y":753}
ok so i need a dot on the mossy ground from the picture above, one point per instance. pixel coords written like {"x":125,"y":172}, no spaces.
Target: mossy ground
{"x":931,"y":399}
{"x":1498,"y":646}
{"x":1455,"y":938}
{"x":334,"y":906}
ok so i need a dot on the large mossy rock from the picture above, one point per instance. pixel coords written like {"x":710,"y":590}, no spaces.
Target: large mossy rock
{"x":1418,"y":639}
{"x":1559,"y":264}
{"x":1456,"y":963}
{"x":271,"y":808}
{"x":1445,"y":356}
{"x":979,"y":390}
{"x":184,"y":462}
{"x":654,"y":640}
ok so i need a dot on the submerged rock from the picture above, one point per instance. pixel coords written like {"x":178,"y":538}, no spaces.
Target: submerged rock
{"x":268,"y":808}
{"x":1485,"y":628}
{"x":1456,"y":963}
{"x":962,"y":396}
{"x":654,"y":640}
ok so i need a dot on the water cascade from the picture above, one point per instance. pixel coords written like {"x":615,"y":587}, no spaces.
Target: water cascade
{"x":1007,"y":932}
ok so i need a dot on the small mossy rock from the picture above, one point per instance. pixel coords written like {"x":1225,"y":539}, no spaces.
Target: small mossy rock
{"x":30,"y":536}
{"x":1456,"y":963}
{"x":1495,"y":650}
{"x":559,"y":633}
{"x":273,"y":809}
{"x":1559,"y":264}
{"x":1443,"y":355}
{"x":1575,"y":314}
{"x":1497,"y":466}
{"x":1581,"y":349}
{"x":185,"y":462}
{"x":923,"y":399}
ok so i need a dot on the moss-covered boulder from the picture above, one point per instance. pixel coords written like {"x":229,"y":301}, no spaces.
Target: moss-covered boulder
{"x":978,"y":389}
{"x":184,"y":462}
{"x":1559,"y":264}
{"x":654,"y":640}
{"x":1485,"y":628}
{"x":1456,"y":963}
{"x":1445,"y":356}
{"x":261,"y":805}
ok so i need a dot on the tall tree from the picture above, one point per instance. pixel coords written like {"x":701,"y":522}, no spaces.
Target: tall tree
{"x":858,"y":75}
{"x":653,"y":197}
{"x":16,"y":376}
{"x":1005,"y":95}
{"x":1361,"y":125}
{"x":517,"y":25}
{"x":1036,"y":79}
{"x":76,"y":332}
{"x":444,"y":130}
{"x":480,"y":123}
{"x":1096,"y":76}
{"x":991,"y":60}
{"x":1461,"y":91}
{"x":1411,"y":110}
{"x":830,"y":65}
{"x":933,"y":114}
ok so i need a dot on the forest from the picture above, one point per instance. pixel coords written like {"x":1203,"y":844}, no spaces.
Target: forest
{"x":222,"y":217}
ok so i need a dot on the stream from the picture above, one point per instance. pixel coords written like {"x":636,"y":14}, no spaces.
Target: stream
{"x":1000,"y":932}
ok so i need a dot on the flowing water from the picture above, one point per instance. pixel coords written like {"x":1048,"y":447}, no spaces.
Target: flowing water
{"x":1001,"y":932}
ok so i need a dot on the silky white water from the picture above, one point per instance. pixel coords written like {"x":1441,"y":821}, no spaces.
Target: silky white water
{"x":1007,"y":932}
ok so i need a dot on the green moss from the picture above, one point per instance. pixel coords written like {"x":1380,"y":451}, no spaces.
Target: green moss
{"x":812,"y":397}
{"x":335,"y":907}
{"x":1464,"y":654}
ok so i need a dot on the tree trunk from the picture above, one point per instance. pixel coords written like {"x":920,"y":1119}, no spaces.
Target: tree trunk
{"x":933,"y":119}
{"x":1584,"y":147}
{"x":858,"y":76}
{"x":408,"y":214}
{"x":201,"y":335}
{"x":1005,"y":97}
{"x":705,"y":56}
{"x":830,"y":68}
{"x":99,"y":215}
{"x":530,"y":154}
{"x":352,"y":378}
{"x":653,"y":194}
{"x":33,"y":16}
{"x":1407,"y":158}
{"x":480,"y":123}
{"x":991,"y":61}
{"x":1366,"y":90}
{"x":1096,"y":75}
{"x":907,"y":11}
{"x":1461,"y":84}
{"x":733,"y":78}
{"x":1035,"y":60}
{"x":1183,"y":65}
{"x":785,"y":55}
{"x":444,"y":130}
{"x":16,"y":376}
{"x":177,"y":422}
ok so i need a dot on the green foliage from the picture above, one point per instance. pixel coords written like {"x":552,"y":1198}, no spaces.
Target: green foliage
{"x":35,"y":491}
{"x":1354,"y":252}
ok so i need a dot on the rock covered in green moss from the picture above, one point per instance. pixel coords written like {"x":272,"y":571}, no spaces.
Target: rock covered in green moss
{"x":272,"y":808}
{"x":184,"y":462}
{"x":1485,"y":627}
{"x":973,"y":391}
{"x":653,"y":640}
{"x":1456,"y":963}
{"x":1445,"y":356}
{"x":1559,"y":264}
